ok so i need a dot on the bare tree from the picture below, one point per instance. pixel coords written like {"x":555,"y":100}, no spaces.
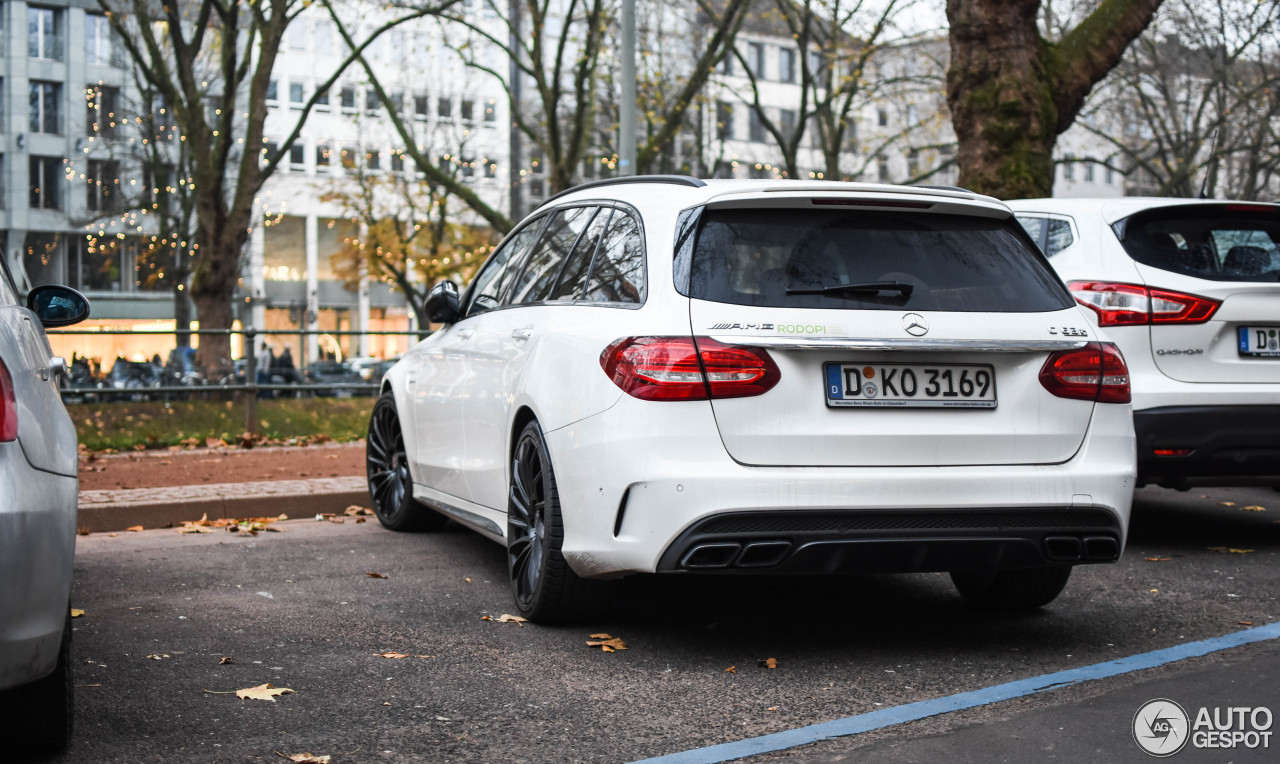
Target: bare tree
{"x":1194,"y":106}
{"x":211,"y":62}
{"x":1012,"y":92}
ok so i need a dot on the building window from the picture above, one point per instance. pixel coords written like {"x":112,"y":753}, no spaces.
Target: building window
{"x":273,"y":91}
{"x":104,"y":185}
{"x":324,"y":38}
{"x":726,"y":64}
{"x":882,"y":117}
{"x":755,"y":59}
{"x":44,"y":33}
{"x":40,"y":258}
{"x":101,"y":116}
{"x":724,"y":121}
{"x":296,"y":94}
{"x":322,"y":100}
{"x":490,"y":169}
{"x":755,"y":126}
{"x":348,"y":158}
{"x":467,"y":111}
{"x":45,"y":178}
{"x":296,"y":35}
{"x":371,"y":101}
{"x":322,"y":157}
{"x":786,"y":65}
{"x":373,"y":160}
{"x":882,"y":170}
{"x":1068,"y":169}
{"x":491,"y":113}
{"x":1088,"y":172}
{"x":297,"y":158}
{"x":45,"y":114}
{"x":1110,"y":176}
{"x":269,"y":149}
{"x":444,"y":107}
{"x":397,"y":162}
{"x":421,"y":106}
{"x":723,"y":170}
{"x":99,"y":40}
{"x":913,"y":163}
{"x":787,"y":122}
{"x":348,"y":98}
{"x":468,"y":167}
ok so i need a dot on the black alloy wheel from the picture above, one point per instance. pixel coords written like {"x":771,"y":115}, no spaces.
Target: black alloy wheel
{"x":545,"y":588}
{"x":387,"y":466}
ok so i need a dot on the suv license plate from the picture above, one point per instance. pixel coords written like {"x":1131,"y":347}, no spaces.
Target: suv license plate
{"x":1259,"y":341}
{"x":910,"y":385}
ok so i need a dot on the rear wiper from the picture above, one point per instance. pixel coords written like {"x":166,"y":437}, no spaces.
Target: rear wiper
{"x":872,"y":287}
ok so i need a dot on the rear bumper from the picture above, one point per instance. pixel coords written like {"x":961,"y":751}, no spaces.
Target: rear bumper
{"x":37,"y":547}
{"x":1228,"y":445}
{"x":642,"y":492}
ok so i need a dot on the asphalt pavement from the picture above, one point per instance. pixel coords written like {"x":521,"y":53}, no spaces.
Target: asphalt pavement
{"x":298,"y":609}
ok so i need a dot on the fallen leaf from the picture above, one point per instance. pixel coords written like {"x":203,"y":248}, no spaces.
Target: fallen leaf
{"x":76,"y":612}
{"x":610,"y":645}
{"x":772,"y":708}
{"x":355,"y":510}
{"x":392,"y":655}
{"x":1227,"y":503}
{"x":1230,"y":550}
{"x":467,"y":580}
{"x":600,"y":636}
{"x":1157,"y":559}
{"x":361,"y":520}
{"x":82,"y":532}
{"x":304,"y":758}
{"x":1254,"y":508}
{"x":769,"y":663}
{"x":134,"y":528}
{"x":338,"y":520}
{"x":504,"y":618}
{"x":262,"y":692}
{"x":732,"y":669}
{"x":158,"y":656}
{"x":1154,"y":591}
{"x":1245,"y":623}
{"x":371,"y":574}
{"x":226,"y":660}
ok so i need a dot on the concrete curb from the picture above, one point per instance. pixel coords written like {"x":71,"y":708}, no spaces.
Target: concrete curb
{"x":116,"y":510}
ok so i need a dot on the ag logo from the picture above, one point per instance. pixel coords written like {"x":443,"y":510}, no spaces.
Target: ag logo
{"x":1160,"y":727}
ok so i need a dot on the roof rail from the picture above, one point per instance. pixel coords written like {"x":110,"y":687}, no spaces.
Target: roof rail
{"x":945,"y":188}
{"x":679,"y":180}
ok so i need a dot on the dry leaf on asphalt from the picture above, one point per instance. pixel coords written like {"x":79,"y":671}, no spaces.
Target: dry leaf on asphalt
{"x":606,"y":643}
{"x":76,"y":612}
{"x":158,"y":656}
{"x":769,"y":663}
{"x":355,"y":510}
{"x":505,"y":618}
{"x":1245,"y":623}
{"x":1227,"y":503}
{"x":304,"y":758}
{"x":262,"y":692}
{"x":392,"y":655}
{"x":1157,"y":559}
{"x":1254,"y":509}
{"x":134,"y":528}
{"x":226,"y":660}
{"x":732,"y":669}
{"x":1230,"y":550}
{"x":371,"y":574}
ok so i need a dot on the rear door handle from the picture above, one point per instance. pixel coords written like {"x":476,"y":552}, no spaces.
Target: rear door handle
{"x":521,"y":335}
{"x":465,"y":334}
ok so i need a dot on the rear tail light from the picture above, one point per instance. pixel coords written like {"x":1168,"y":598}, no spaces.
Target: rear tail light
{"x":1095,"y":372}
{"x":1133,"y":305}
{"x":8,"y":406}
{"x":687,"y":368}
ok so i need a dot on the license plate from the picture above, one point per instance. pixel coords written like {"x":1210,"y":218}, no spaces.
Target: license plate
{"x":911,"y":385}
{"x":1259,"y":341}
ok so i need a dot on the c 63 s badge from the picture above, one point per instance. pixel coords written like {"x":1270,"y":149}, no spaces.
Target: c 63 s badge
{"x":1068,"y":331}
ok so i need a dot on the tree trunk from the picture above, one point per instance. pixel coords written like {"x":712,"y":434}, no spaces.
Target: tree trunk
{"x":213,"y":285}
{"x":1012,"y":93}
{"x":181,"y":316}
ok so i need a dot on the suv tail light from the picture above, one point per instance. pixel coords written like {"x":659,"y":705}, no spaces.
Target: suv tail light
{"x":1095,"y":372}
{"x":8,"y":406}
{"x":1132,"y":305}
{"x":687,"y":368}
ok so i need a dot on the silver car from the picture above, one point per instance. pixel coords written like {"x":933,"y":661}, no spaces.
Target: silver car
{"x":38,"y":488}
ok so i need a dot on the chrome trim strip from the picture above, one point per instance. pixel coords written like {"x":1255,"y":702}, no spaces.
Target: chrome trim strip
{"x":945,"y":346}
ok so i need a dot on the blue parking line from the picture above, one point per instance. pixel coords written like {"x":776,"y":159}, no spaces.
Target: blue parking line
{"x":911,"y":712}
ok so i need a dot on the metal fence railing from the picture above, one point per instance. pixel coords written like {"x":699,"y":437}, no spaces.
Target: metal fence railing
{"x":177,"y":377}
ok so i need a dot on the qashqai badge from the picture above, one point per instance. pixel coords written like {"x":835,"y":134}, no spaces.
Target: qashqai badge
{"x":915,"y":324}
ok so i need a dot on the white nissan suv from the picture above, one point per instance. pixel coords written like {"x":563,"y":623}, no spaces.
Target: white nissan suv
{"x":668,"y":375}
{"x":1190,"y":291}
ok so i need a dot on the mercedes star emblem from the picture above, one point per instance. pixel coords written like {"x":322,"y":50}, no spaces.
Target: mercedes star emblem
{"x":915,"y":324}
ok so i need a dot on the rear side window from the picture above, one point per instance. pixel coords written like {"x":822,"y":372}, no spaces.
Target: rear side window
{"x":543,"y":266}
{"x":498,"y":272}
{"x":1231,"y":242}
{"x":618,"y":274}
{"x":574,"y":274}
{"x":833,"y":259}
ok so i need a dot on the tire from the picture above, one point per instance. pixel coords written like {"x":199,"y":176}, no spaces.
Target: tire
{"x":1011,"y":589}
{"x":42,"y":714}
{"x":545,"y":588}
{"x":387,"y":467}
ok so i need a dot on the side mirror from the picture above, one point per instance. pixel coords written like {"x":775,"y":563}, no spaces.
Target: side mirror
{"x":442,"y":303}
{"x":57,"y":305}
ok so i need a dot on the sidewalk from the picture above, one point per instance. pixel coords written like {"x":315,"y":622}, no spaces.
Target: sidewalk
{"x":116,"y":510}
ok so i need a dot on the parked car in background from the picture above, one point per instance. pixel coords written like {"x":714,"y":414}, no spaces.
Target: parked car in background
{"x":334,"y":373}
{"x":664,"y":374}
{"x":133,"y":380}
{"x":1189,"y":290}
{"x":81,"y":385}
{"x":38,"y":490}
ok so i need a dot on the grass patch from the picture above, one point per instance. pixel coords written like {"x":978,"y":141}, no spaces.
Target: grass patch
{"x":124,"y":426}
